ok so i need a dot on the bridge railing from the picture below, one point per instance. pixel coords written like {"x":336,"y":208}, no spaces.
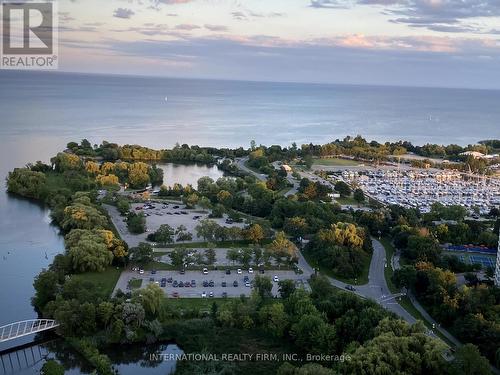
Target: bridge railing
{"x":26,"y":327}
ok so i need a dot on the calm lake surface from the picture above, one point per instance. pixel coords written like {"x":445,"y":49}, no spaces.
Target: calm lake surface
{"x":42,"y":112}
{"x":185,"y":174}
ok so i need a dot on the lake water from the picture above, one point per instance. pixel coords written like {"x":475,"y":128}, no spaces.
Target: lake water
{"x":42,"y":112}
{"x":185,"y":174}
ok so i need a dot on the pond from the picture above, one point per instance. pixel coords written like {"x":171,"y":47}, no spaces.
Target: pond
{"x":152,"y":359}
{"x":185,"y":174}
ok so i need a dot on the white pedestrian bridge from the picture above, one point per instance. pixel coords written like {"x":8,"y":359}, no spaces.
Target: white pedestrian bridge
{"x":26,"y":327}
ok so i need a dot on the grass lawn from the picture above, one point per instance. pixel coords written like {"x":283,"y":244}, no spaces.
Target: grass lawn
{"x":361,"y":280}
{"x":104,"y":281}
{"x":195,"y":303}
{"x":334,"y":162}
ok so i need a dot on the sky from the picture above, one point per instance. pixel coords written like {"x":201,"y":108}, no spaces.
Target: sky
{"x":445,"y":43}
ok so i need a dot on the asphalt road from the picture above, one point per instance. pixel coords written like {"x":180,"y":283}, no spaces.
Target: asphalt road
{"x":376,"y":289}
{"x":241,"y":165}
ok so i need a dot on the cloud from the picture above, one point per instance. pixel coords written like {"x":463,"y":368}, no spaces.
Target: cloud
{"x":219,"y":28}
{"x":435,"y":61}
{"x":123,"y":13}
{"x":451,"y":16}
{"x":186,"y":27}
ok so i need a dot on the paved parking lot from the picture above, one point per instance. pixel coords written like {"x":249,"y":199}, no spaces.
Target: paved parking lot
{"x":173,"y":214}
{"x":216,"y":276}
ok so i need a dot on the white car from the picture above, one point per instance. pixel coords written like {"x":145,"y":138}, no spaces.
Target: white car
{"x":239,"y":271}
{"x":205,"y":271}
{"x":250,"y":270}
{"x":141,"y":271}
{"x":247,"y":284}
{"x":276,"y":279}
{"x":204,"y":295}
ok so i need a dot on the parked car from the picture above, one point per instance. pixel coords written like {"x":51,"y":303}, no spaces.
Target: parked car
{"x":228,"y":272}
{"x":261,"y":271}
{"x":163,"y":282}
{"x":203,"y":294}
{"x":170,"y":280}
{"x":141,"y":271}
{"x":350,"y":287}
{"x":153,"y":272}
{"x":247,"y":284}
{"x":224,"y":284}
{"x":183,"y":271}
{"x":181,"y":284}
{"x":235,"y":283}
{"x":175,"y":294}
{"x":175,"y":284}
{"x":211,"y":294}
{"x":193,"y":283}
{"x":239,"y":271}
{"x":211,"y":284}
{"x":245,"y":279}
{"x":205,"y":271}
{"x":250,"y":270}
{"x":276,"y":279}
{"x":224,"y":294}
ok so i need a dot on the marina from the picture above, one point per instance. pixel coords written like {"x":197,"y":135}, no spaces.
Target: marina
{"x":420,"y":189}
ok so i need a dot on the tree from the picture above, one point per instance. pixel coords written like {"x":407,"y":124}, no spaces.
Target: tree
{"x":46,"y":286}
{"x":233,"y":255}
{"x":178,"y":257}
{"x":286,"y":288}
{"x":225,"y":198}
{"x":296,"y":226}
{"x":207,"y":229}
{"x":138,"y":175}
{"x":406,"y":277}
{"x":469,"y":361}
{"x":254,"y":233}
{"x":264,"y":286}
{"x":182,"y":234}
{"x":27,"y":183}
{"x":191,"y":200}
{"x":88,"y":250}
{"x":82,"y":216}
{"x":142,"y":254}
{"x":123,"y":205}
{"x":211,"y":256}
{"x":282,"y":246}
{"x":164,"y":234}
{"x":359,"y":195}
{"x":52,"y":367}
{"x":151,"y":299}
{"x":342,"y":188}
{"x":136,"y":223}
{"x":274,"y":318}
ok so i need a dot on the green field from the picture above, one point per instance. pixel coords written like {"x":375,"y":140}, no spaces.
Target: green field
{"x":335,"y":162}
{"x":104,"y":281}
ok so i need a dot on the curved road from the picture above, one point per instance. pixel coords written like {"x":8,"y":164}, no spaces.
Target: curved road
{"x":376,"y":289}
